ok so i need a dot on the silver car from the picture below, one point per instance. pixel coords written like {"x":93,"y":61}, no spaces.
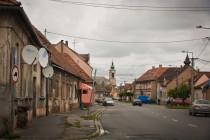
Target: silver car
{"x":108,"y":101}
{"x":200,"y":107}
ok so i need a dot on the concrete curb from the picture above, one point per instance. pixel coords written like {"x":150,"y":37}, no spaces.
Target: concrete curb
{"x":99,"y":129}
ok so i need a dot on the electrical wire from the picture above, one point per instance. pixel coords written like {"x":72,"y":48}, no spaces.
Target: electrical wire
{"x":207,"y":61}
{"x":133,"y":7}
{"x":203,"y":49}
{"x":127,"y":42}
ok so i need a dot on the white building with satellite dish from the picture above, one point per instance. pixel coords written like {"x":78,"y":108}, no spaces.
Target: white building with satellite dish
{"x":36,"y":78}
{"x":25,"y":98}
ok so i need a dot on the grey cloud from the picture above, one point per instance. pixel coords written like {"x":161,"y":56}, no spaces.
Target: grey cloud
{"x":124,"y":25}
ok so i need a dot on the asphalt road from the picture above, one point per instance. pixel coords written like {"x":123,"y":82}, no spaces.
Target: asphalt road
{"x":152,"y":122}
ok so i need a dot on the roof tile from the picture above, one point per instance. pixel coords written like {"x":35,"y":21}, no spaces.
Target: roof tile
{"x":10,"y":2}
{"x":152,"y":74}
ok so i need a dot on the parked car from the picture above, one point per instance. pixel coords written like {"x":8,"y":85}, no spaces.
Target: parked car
{"x":115,"y":98}
{"x":99,"y":100}
{"x":137,"y":102}
{"x":200,"y":107}
{"x":108,"y":101}
{"x":178,"y":101}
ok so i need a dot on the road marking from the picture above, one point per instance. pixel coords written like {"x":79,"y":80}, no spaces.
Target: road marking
{"x":174,"y":120}
{"x":164,"y":117}
{"x":192,"y":125}
{"x":157,"y":114}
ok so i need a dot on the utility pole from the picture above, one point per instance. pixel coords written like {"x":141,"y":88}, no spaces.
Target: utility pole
{"x":93,"y":90}
{"x":47,"y":86}
{"x":192,"y":78}
{"x":45,"y":32}
{"x":177,"y":82}
{"x":74,"y":42}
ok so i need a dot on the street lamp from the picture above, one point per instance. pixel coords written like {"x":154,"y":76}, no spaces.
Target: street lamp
{"x":201,"y":27}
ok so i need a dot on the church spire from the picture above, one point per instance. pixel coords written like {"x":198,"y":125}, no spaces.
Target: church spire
{"x":187,"y":61}
{"x":112,"y":66}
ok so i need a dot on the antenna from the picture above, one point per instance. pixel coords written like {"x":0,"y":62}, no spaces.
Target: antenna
{"x":29,"y":54}
{"x":43,"y":57}
{"x":48,"y":71}
{"x":45,"y":32}
{"x":74,"y":44}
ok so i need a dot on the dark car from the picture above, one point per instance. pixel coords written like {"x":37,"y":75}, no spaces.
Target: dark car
{"x":137,"y":102}
{"x":200,"y":107}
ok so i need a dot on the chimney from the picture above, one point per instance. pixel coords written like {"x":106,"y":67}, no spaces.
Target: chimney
{"x":153,"y":67}
{"x":62,"y":46}
{"x":67,"y":43}
{"x":160,"y":66}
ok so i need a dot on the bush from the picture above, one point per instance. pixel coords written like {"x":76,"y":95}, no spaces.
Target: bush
{"x":152,"y":101}
{"x":182,"y":92}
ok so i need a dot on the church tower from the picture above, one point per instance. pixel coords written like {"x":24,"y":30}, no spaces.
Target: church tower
{"x":187,"y":61}
{"x":112,"y":80}
{"x":112,"y":75}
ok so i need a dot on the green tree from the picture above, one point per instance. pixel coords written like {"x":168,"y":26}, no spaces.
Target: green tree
{"x":123,"y":95}
{"x":172,"y":93}
{"x":183,"y":92}
{"x":130,"y":95}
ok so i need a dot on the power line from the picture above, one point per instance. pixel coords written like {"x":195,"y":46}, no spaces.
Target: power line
{"x":137,"y":7}
{"x":207,"y":61}
{"x":127,"y":42}
{"x":122,"y":5}
{"x":140,"y":65}
{"x":204,"y":47}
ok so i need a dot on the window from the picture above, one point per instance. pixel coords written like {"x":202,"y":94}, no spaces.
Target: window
{"x":3,"y":64}
{"x":35,"y":67}
{"x":14,"y":56}
{"x":57,"y":88}
{"x":63,"y":90}
{"x":75,"y":87}
{"x":112,"y":75}
{"x":50,"y":87}
{"x":71,"y":91}
{"x":67,"y":90}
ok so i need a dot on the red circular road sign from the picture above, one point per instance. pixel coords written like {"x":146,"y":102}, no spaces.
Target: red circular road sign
{"x":15,"y":74}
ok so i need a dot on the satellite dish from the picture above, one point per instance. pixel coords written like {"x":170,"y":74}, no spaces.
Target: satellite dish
{"x":29,"y":54}
{"x":43,"y":57}
{"x":48,"y":71}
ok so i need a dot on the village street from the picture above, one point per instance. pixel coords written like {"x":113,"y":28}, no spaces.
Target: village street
{"x":152,"y":122}
{"x":63,"y":62}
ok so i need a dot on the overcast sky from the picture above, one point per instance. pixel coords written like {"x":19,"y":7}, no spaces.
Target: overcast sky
{"x":130,"y":59}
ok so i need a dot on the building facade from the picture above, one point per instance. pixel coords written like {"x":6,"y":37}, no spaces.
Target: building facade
{"x":200,"y":82}
{"x":31,"y":94}
{"x":27,"y":94}
{"x":147,"y":83}
{"x":102,"y":87}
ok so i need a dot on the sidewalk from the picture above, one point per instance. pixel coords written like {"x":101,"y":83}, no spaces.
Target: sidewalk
{"x":68,"y":126}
